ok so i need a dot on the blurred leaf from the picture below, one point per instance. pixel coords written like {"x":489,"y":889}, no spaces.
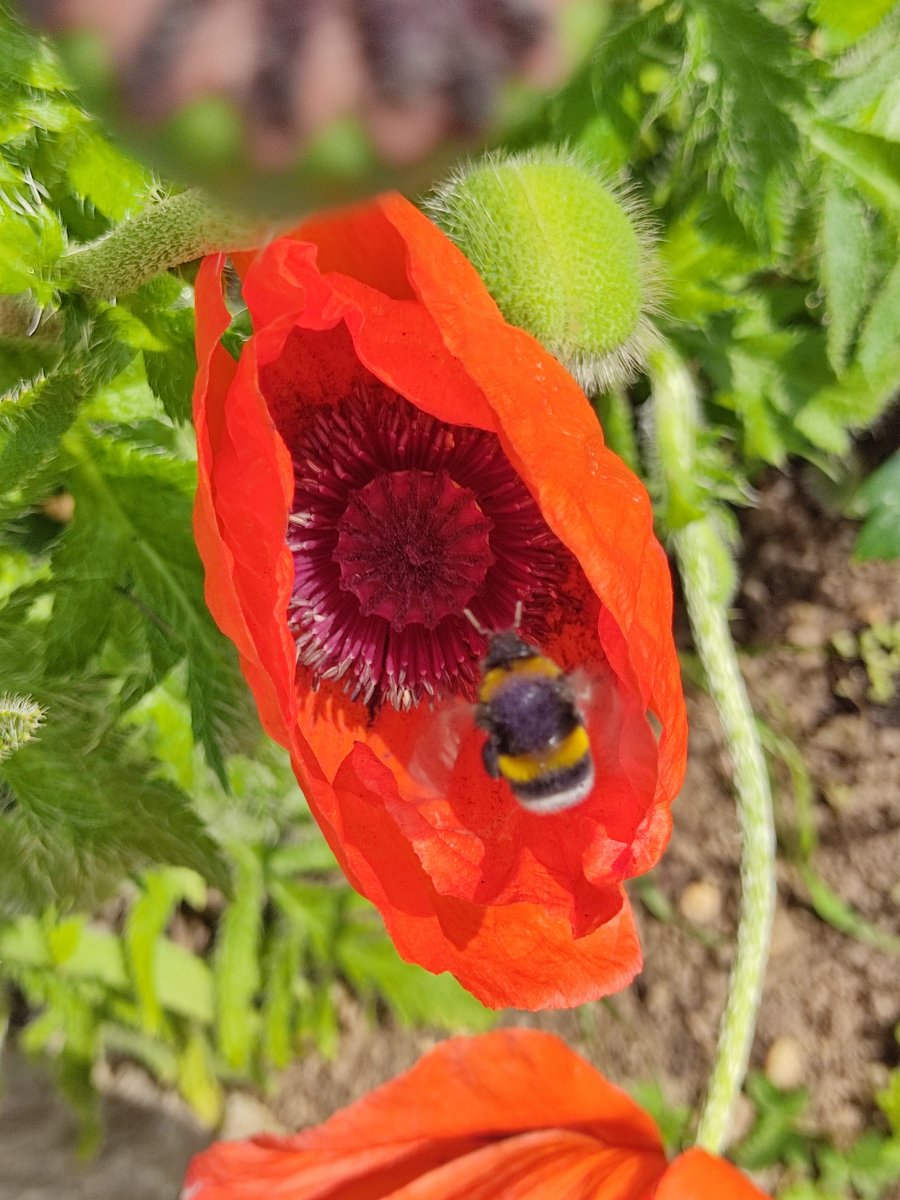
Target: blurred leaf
{"x":197,"y":1079}
{"x":846,"y":267}
{"x":850,"y":404}
{"x":283,"y":967}
{"x":146,"y":520}
{"x":774,"y":1137}
{"x":748,"y":78}
{"x":874,"y":161}
{"x":850,"y":20}
{"x":888,"y":1100}
{"x":237,"y":961}
{"x":368,"y":958}
{"x":841,"y":916}
{"x":144,"y":927}
{"x":878,"y":337}
{"x":878,"y":500}
{"x":674,"y":1120}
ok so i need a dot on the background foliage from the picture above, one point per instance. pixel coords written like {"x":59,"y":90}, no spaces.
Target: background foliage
{"x":156,"y":859}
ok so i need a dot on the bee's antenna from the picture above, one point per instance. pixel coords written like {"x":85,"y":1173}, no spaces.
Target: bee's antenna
{"x":473,"y":620}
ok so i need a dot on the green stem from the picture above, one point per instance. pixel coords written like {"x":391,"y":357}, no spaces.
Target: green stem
{"x":173,"y":231}
{"x":701,"y":553}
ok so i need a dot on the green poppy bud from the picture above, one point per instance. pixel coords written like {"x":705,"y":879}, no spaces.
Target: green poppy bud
{"x":565,"y":253}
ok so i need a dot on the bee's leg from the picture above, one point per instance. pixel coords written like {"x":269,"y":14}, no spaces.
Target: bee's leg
{"x":489,"y":754}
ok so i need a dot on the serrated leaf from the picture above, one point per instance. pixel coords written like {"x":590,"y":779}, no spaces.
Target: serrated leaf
{"x":867,"y":95}
{"x":146,"y":502}
{"x":171,"y":376}
{"x":30,"y":244}
{"x":748,"y":80}
{"x":846,"y":267}
{"x":85,"y":570}
{"x":34,"y":418}
{"x":84,"y":810}
{"x":237,"y":961}
{"x":881,"y":328}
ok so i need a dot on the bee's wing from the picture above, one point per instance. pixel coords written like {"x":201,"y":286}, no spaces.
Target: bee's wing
{"x":435,"y":755}
{"x":583,"y":687}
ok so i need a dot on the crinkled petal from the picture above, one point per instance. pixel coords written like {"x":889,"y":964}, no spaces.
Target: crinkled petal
{"x":515,"y":1106}
{"x":524,"y":910}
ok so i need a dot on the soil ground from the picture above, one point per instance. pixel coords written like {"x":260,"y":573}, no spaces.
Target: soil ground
{"x":831,"y":1002}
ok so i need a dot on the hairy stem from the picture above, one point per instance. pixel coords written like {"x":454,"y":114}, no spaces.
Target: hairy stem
{"x":704,"y":564}
{"x":709,"y":623}
{"x":176,"y":230}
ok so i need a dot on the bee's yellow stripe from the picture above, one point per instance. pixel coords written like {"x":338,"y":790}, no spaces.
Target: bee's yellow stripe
{"x":525,"y":768}
{"x":494,"y":679}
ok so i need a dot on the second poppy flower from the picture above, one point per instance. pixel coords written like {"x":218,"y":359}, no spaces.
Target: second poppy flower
{"x":387,"y":453}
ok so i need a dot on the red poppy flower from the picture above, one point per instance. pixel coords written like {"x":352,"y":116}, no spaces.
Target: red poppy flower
{"x":386,"y":453}
{"x":510,"y":1115}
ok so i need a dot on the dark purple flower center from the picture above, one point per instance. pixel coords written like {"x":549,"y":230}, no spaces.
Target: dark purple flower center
{"x":400,"y":523}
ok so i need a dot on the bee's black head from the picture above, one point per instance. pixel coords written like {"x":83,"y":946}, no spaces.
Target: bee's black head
{"x":507,"y":647}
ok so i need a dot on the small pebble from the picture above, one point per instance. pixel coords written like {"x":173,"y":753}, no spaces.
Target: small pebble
{"x":742,"y":1117}
{"x":60,"y":508}
{"x":807,"y":625}
{"x":785,"y":1063}
{"x":784,"y":933}
{"x":700,"y":903}
{"x":245,"y":1116}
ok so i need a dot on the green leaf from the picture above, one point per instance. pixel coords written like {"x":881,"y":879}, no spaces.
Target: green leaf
{"x":888,"y":1100}
{"x":100,"y":173}
{"x":237,"y":961}
{"x":673,"y":1119}
{"x":841,"y":916}
{"x":867,"y":95}
{"x":852,"y":21}
{"x":748,"y":80}
{"x":146,"y":501}
{"x":84,"y":808}
{"x":846,"y":266}
{"x":34,"y":418}
{"x":834,"y":412}
{"x":873,"y":161}
{"x":368,"y":958}
{"x":284,"y":964}
{"x":197,"y":1080}
{"x":878,"y":499}
{"x":144,"y":927}
{"x":774,"y":1137}
{"x":878,"y":337}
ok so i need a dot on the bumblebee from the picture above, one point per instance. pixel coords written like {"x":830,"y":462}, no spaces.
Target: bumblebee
{"x":537,"y":740}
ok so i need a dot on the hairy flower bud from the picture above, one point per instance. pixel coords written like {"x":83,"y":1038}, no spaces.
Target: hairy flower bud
{"x":565,"y":253}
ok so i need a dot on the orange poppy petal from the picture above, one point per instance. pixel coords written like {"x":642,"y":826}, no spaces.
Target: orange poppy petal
{"x":696,"y":1175}
{"x":515,"y":1105}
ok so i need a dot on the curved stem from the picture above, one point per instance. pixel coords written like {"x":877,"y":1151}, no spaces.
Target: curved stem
{"x":706,"y":569}
{"x":712,"y":636}
{"x":176,"y":230}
